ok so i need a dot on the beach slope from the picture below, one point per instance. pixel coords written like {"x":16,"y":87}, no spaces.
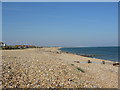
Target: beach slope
{"x":51,"y":68}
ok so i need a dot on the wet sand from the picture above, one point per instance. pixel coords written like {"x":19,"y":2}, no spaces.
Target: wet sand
{"x":50,"y":68}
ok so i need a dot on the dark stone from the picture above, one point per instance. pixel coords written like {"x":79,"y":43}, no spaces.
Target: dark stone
{"x":77,"y":61}
{"x":9,"y":67}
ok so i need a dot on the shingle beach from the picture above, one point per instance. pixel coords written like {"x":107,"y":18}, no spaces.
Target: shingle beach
{"x":51,"y":68}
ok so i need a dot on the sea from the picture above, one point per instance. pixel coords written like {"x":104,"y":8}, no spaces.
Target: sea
{"x":105,"y":53}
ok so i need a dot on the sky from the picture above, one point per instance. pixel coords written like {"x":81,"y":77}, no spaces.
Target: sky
{"x":66,"y":24}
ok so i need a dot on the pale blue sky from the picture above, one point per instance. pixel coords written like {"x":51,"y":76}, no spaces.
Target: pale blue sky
{"x":61,"y":24}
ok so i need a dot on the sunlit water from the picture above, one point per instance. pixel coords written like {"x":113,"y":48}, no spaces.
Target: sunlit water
{"x":106,"y":53}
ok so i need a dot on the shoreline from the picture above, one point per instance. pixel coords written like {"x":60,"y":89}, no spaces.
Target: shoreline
{"x":86,"y":56}
{"x":50,"y":68}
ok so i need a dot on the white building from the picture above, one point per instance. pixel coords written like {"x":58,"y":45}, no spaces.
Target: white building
{"x":2,"y":44}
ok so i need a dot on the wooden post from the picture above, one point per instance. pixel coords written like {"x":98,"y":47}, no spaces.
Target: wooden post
{"x":103,"y":62}
{"x":89,"y":61}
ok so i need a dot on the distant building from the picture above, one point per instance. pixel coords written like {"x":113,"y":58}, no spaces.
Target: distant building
{"x":2,"y":44}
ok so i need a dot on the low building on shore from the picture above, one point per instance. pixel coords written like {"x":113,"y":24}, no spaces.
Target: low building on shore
{"x":2,"y":44}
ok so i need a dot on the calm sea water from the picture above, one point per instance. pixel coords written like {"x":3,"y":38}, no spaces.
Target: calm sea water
{"x":106,"y":53}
